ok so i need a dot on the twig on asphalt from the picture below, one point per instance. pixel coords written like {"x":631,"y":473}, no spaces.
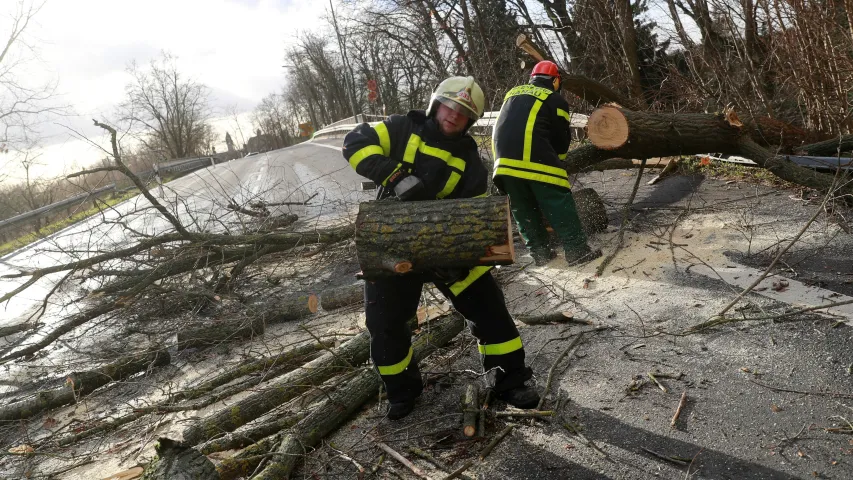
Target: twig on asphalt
{"x":458,"y":472}
{"x":486,"y":451}
{"x":677,"y":460}
{"x":717,"y":321}
{"x":396,"y":456}
{"x":786,"y":390}
{"x":660,"y":385}
{"x":681,"y":404}
{"x":554,"y":369}
{"x":779,"y":255}
{"x":589,"y":443}
{"x":438,"y":463}
{"x":526,"y":413}
{"x":625,"y":214}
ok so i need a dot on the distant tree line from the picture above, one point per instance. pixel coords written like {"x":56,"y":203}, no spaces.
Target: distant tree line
{"x":785,"y":59}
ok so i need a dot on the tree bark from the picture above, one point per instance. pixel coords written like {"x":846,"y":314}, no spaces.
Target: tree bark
{"x":339,"y":405}
{"x":339,"y":297}
{"x":286,"y":308}
{"x":246,"y":436}
{"x":627,"y":134}
{"x":828,"y":148}
{"x":272,"y":365}
{"x":290,"y":386}
{"x":549,"y":318}
{"x":217,"y":333}
{"x":176,"y":461}
{"x":245,"y":462}
{"x":13,"y":329}
{"x":82,"y":383}
{"x":403,"y":237}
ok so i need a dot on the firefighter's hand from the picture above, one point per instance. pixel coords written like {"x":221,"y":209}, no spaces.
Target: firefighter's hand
{"x":406,"y":187}
{"x":449,"y":275}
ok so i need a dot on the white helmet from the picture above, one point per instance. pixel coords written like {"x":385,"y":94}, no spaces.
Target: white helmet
{"x":461,"y":94}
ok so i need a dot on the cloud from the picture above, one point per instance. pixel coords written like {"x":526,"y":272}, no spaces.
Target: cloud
{"x":235,"y":47}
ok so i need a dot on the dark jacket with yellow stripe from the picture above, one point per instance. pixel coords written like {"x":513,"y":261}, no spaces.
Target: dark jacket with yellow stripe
{"x":531,"y":136}
{"x":448,"y":167}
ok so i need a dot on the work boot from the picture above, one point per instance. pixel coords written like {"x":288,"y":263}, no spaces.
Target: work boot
{"x":515,"y":387}
{"x":542,"y":255}
{"x":523,"y":397}
{"x":581,"y":256}
{"x":399,"y":410}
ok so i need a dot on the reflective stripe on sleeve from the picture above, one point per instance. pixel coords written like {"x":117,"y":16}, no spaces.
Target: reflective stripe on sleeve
{"x":564,"y":114}
{"x":398,"y":368}
{"x":466,"y":282}
{"x":528,"y":130}
{"x":412,"y":149}
{"x":450,"y":185}
{"x":384,"y":138}
{"x":501,"y":348}
{"x":365,"y":152}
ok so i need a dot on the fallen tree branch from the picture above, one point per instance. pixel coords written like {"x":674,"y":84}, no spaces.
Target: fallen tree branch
{"x":403,"y":460}
{"x":681,"y":405}
{"x":341,"y":403}
{"x":553,"y":369}
{"x":79,"y":384}
{"x":626,"y":212}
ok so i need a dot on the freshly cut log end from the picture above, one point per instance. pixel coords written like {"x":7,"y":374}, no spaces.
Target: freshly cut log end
{"x":607,"y":128}
{"x":313,"y":303}
{"x":403,"y":267}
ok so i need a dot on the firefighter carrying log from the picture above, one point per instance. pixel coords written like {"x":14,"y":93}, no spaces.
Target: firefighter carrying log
{"x":428,"y":156}
{"x":530,"y":141}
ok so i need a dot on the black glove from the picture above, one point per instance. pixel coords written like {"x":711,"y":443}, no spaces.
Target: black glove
{"x":405,"y":186}
{"x":449,"y":275}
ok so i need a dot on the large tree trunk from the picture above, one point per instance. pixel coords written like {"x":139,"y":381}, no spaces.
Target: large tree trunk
{"x":401,"y":237}
{"x":341,"y":403}
{"x":624,"y":133}
{"x":82,"y":383}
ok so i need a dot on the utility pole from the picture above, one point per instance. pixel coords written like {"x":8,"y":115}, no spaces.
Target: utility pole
{"x":347,"y":79}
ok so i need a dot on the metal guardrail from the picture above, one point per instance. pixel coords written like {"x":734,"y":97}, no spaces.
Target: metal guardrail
{"x":40,"y":212}
{"x":483,"y":126}
{"x":818,"y":163}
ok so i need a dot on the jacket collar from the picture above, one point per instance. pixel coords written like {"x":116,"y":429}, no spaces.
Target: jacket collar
{"x":542,"y":82}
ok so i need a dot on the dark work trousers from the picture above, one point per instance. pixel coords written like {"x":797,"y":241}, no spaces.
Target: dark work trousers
{"x":391,"y":302}
{"x":529,"y":200}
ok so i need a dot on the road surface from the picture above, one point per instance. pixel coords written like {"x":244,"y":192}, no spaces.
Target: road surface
{"x":314,"y":170}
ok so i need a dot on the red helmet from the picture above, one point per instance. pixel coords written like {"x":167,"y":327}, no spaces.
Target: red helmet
{"x":546,"y":67}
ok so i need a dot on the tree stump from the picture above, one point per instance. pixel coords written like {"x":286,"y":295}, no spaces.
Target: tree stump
{"x":393,"y":237}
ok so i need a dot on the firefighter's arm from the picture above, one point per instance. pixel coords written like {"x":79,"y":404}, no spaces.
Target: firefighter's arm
{"x":561,"y":135}
{"x":475,"y":178}
{"x":368,"y":151}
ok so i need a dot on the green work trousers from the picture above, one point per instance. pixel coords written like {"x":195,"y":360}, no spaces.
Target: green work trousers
{"x":529,"y":200}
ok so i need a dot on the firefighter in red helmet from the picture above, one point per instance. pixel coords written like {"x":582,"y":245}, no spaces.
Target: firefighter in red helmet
{"x":530,"y":142}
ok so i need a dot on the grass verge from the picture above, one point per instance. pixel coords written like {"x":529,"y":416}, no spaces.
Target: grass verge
{"x":54,"y":227}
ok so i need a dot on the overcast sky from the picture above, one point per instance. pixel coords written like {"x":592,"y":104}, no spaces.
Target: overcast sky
{"x":235,"y":47}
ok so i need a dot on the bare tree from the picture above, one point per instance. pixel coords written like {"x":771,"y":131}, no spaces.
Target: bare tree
{"x":172,"y":109}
